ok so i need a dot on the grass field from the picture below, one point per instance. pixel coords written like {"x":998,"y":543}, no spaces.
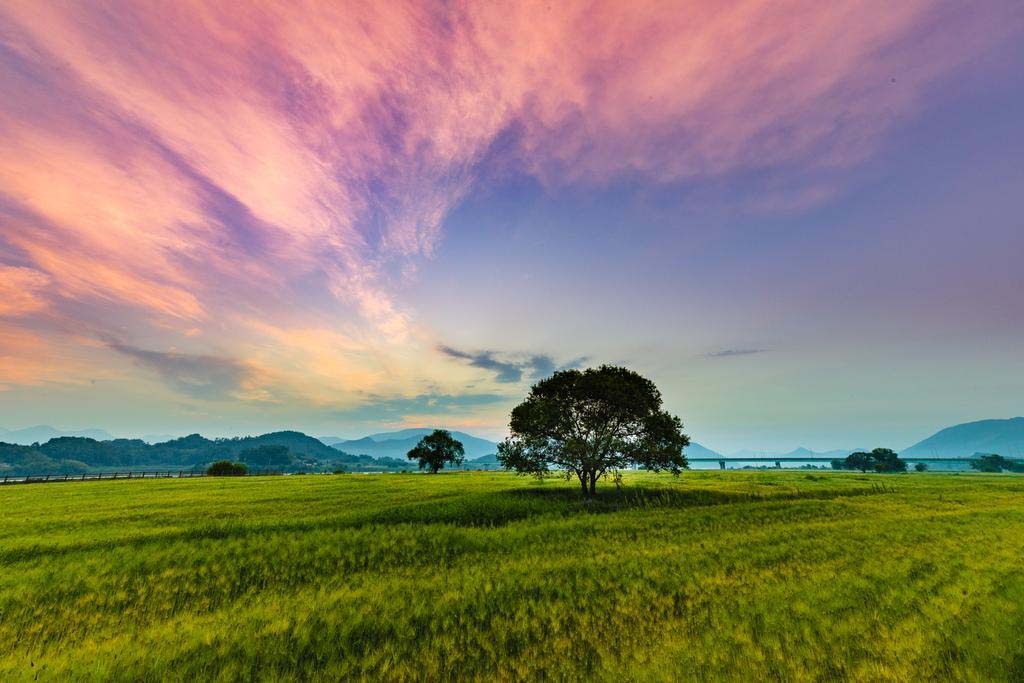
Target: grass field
{"x":711,"y":576}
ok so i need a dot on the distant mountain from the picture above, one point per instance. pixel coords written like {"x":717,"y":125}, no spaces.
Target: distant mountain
{"x":1004,"y":437}
{"x":43,"y":433}
{"x":695,"y":450}
{"x":397,"y":444}
{"x":795,"y":454}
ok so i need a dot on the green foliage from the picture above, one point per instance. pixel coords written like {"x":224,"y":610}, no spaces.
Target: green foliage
{"x":921,"y":467}
{"x":731,"y":576}
{"x":590,"y":423}
{"x":279,"y":451}
{"x":996,"y":463}
{"x":437,"y":449}
{"x":368,"y":463}
{"x":878,"y":460}
{"x":272,"y":457}
{"x":226,"y":468}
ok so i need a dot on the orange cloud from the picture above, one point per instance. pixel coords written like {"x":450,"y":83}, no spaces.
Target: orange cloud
{"x":22,"y":290}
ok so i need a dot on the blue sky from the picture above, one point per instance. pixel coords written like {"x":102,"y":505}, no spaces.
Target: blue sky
{"x":802,"y":222}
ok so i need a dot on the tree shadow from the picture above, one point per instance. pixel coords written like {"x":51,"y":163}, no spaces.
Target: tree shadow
{"x":613,"y":499}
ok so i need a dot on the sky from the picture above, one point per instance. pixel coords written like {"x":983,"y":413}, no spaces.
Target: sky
{"x":802,"y":220}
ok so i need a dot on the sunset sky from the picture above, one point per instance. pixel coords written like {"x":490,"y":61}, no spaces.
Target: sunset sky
{"x":802,"y":220}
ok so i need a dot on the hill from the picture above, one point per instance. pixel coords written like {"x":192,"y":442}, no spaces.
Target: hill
{"x":298,"y":443}
{"x":1005,"y":437}
{"x":397,"y":444}
{"x":78,"y":454}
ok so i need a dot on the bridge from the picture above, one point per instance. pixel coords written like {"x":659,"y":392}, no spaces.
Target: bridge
{"x":777,"y":461}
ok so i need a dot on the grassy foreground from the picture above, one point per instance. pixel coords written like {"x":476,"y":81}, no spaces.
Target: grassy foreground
{"x":711,"y":576}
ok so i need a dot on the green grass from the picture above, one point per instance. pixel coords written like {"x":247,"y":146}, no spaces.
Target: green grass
{"x":480,"y":576}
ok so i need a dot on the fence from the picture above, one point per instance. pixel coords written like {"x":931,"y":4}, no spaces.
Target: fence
{"x":108,"y":476}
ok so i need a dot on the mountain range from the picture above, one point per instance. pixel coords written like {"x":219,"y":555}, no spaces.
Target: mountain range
{"x":43,"y":433}
{"x":796,"y":453}
{"x":397,"y":444}
{"x":1004,"y":437}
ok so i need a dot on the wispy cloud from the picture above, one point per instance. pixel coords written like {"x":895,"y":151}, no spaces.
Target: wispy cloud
{"x":392,"y":408}
{"x":511,"y":370}
{"x":730,"y":353}
{"x":206,"y":377}
{"x":504,"y":371}
{"x":22,"y":291}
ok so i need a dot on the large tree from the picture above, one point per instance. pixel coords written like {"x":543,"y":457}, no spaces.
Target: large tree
{"x":879,"y":460}
{"x":437,"y":449}
{"x":591,"y":423}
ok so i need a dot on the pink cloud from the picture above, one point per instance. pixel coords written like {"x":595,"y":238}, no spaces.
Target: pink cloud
{"x":22,"y":291}
{"x":208,"y":164}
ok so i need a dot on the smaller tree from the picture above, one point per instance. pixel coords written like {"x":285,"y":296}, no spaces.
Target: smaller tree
{"x":878,"y":460}
{"x":858,"y":461}
{"x":994,"y":463}
{"x":226,"y":468}
{"x":921,"y":467}
{"x":886,"y":460}
{"x":437,"y":449}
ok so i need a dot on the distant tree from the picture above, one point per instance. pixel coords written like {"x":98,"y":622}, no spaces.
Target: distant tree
{"x":838,"y":464}
{"x":226,"y":468}
{"x":590,"y":423}
{"x":995,"y":463}
{"x":858,"y":461}
{"x":886,"y":460}
{"x":921,"y":467}
{"x":437,"y":449}
{"x":878,"y":460}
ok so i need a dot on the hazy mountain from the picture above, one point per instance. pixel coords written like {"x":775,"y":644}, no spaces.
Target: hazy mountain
{"x":43,"y":433}
{"x":796,"y":453}
{"x":1005,"y":437}
{"x":397,"y":444}
{"x":695,"y":450}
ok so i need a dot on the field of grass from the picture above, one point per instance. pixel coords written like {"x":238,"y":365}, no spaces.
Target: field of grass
{"x":487,"y":576}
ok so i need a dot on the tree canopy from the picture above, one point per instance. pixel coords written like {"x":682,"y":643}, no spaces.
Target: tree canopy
{"x":992,"y":462}
{"x":226,"y":468}
{"x":878,"y":460}
{"x":591,"y":423}
{"x":437,"y":449}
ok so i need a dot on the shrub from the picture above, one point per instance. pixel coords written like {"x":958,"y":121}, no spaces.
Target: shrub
{"x":226,"y":468}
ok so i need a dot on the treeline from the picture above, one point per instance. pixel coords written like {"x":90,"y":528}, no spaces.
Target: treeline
{"x":996,"y":463}
{"x":878,"y":460}
{"x":886,"y":460}
{"x":279,"y":451}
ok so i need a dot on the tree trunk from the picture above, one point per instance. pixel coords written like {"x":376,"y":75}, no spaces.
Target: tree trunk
{"x":582,"y":476}
{"x":593,"y":483}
